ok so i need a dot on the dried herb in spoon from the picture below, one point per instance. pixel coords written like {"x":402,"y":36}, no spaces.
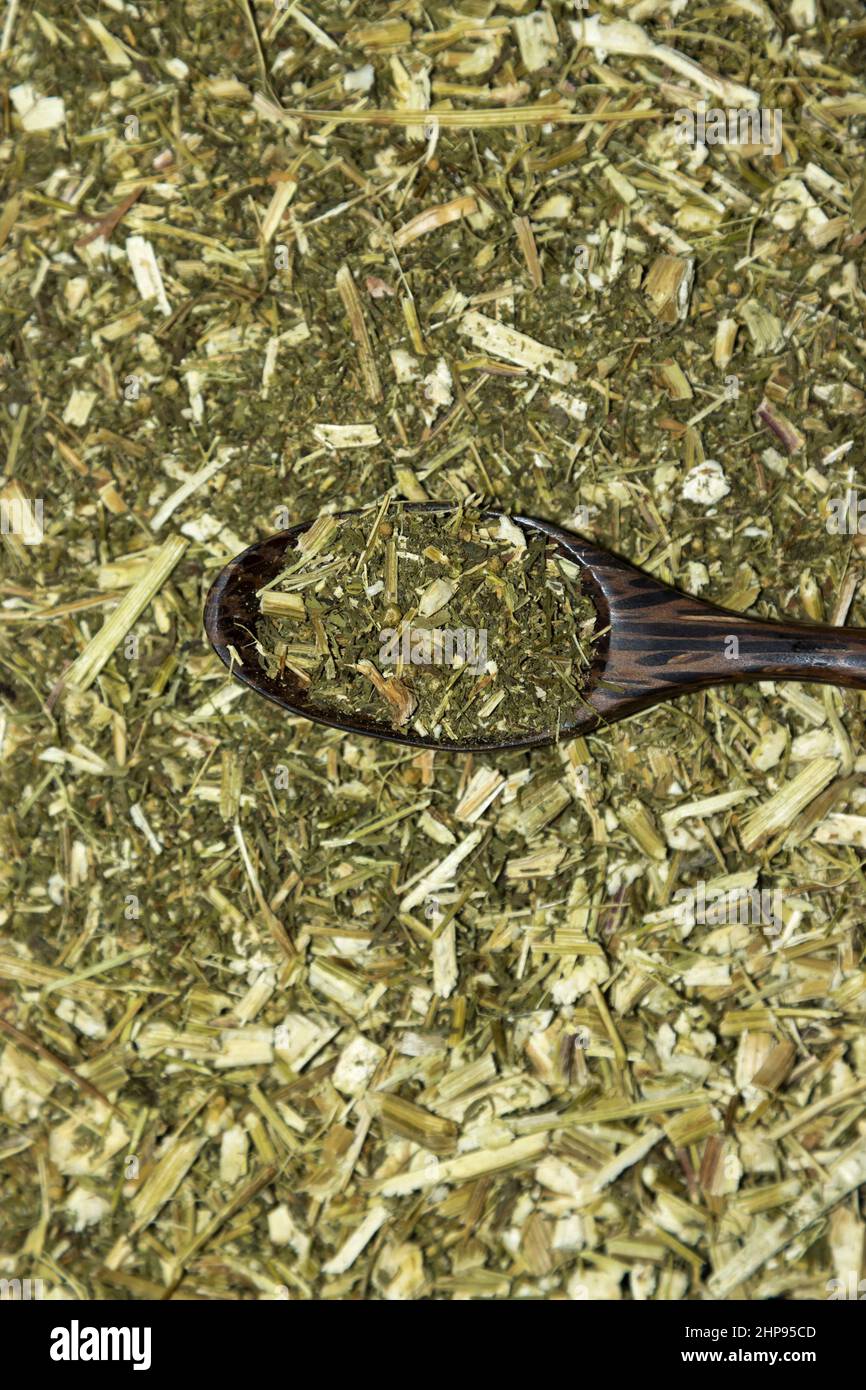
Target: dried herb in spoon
{"x":450,"y":623}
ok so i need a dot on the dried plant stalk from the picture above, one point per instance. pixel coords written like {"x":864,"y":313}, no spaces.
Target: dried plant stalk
{"x":89,"y":663}
{"x":432,"y":218}
{"x":358,"y":324}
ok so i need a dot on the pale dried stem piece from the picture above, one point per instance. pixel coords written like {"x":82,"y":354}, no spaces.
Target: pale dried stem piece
{"x":164,"y":1180}
{"x":280,"y":199}
{"x":472,"y":1165}
{"x":674,"y":380}
{"x":787,"y":803}
{"x":537,"y":39}
{"x":669,"y":285}
{"x":723,"y":347}
{"x":781,"y":426}
{"x":188,"y":487}
{"x":634,"y":817}
{"x":401,"y":700}
{"x":346,"y":436}
{"x":623,"y":37}
{"x":433,"y":217}
{"x":352,"y":304}
{"x":90,"y":662}
{"x":441,"y":874}
{"x":278,"y":604}
{"x":489,"y":335}
{"x":146,"y":272}
{"x":526,"y":242}
{"x":456,"y":120}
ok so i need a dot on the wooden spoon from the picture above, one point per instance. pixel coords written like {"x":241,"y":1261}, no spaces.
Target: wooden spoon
{"x":657,"y":643}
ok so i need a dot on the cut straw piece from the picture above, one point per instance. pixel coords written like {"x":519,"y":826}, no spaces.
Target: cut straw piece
{"x":317,"y":538}
{"x":723,"y":348}
{"x":87,"y":666}
{"x":415,"y":1123}
{"x":623,"y":37}
{"x":485,"y":786}
{"x":360,"y":1237}
{"x":188,"y":487}
{"x":781,"y":426}
{"x":277,"y":604}
{"x":626,"y":1158}
{"x":310,"y":27}
{"x":148,"y":278}
{"x":674,"y":380}
{"x":526,"y":242}
{"x":114,"y":51}
{"x":471,"y":1165}
{"x":537,"y":39}
{"x":785,"y":805}
{"x":440,"y":215}
{"x":282,"y":196}
{"x":165,"y":1179}
{"x":380,"y":33}
{"x":636,"y":820}
{"x":489,"y":335}
{"x":462,"y":120}
{"x":346,"y":436}
{"x":442,"y":874}
{"x":352,"y":304}
{"x":705,"y":806}
{"x":668,"y":286}
{"x":9,"y":25}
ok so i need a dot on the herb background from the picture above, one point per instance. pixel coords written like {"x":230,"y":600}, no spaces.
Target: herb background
{"x":251,"y":1046}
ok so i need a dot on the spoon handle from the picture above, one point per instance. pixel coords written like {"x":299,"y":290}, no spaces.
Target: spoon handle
{"x":687,"y":643}
{"x":738,"y":648}
{"x":663,"y":642}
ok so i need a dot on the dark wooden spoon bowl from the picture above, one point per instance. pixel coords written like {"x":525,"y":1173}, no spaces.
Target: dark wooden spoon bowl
{"x":658,"y":643}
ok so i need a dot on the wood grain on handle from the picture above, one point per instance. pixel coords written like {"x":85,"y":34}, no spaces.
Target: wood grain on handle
{"x":664,"y":643}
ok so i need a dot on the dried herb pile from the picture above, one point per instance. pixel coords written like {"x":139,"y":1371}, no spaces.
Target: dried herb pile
{"x":476,"y":630}
{"x":290,"y":1014}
